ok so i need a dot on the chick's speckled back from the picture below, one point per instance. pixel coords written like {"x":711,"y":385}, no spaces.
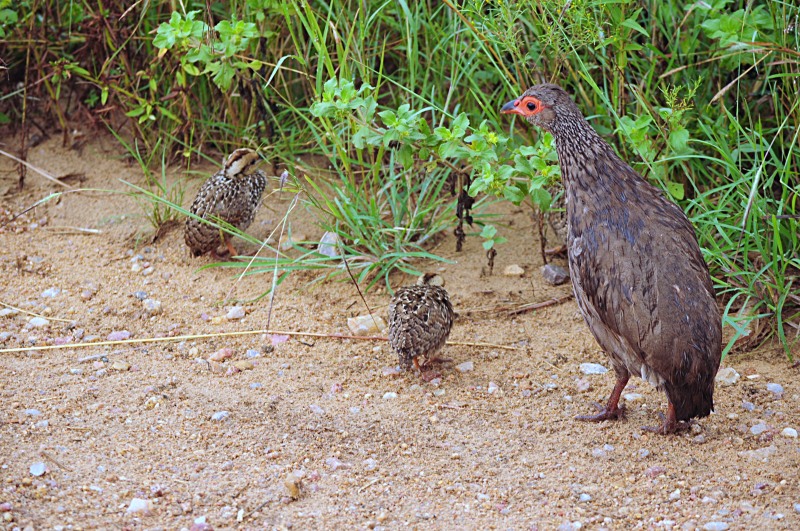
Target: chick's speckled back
{"x":420,"y":319}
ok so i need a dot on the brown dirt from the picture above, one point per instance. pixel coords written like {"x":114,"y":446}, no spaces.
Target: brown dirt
{"x":446,"y":456}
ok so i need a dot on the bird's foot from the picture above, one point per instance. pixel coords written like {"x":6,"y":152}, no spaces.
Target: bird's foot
{"x":428,"y":376}
{"x":668,"y":425}
{"x":605,"y":413}
{"x":430,"y":361}
{"x":561,"y":249}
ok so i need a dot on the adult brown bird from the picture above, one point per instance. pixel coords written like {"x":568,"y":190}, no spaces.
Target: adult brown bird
{"x":420,"y":319}
{"x":231,"y":195}
{"x":637,"y":270}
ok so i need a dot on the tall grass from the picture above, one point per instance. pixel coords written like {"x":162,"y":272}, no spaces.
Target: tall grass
{"x":700,"y":97}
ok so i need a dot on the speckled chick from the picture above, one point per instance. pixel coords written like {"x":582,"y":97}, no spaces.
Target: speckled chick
{"x":232,"y":195}
{"x":420,"y":319}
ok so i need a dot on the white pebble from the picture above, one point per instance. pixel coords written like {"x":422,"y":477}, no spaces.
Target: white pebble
{"x":513,"y":270}
{"x":466,"y":366}
{"x":775,"y":388}
{"x":789,"y":432}
{"x":492,"y":388}
{"x":365,"y":325}
{"x":389,"y":395}
{"x":38,"y":322}
{"x":50,"y":293}
{"x":237,"y":312}
{"x":316,"y":409}
{"x":727,"y":376}
{"x":715,"y":526}
{"x":675,"y":495}
{"x":138,"y":505}
{"x":759,"y":428}
{"x":632,"y":397}
{"x":584,"y":497}
{"x":219,"y":416}
{"x":593,"y":368}
{"x":38,"y":469}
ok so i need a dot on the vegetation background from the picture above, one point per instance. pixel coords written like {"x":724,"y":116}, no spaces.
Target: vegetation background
{"x":394,"y":105}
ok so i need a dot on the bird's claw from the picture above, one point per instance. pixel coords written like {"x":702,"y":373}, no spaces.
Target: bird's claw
{"x":604,"y":414}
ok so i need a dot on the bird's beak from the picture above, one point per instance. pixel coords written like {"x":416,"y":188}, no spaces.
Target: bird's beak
{"x":511,"y":108}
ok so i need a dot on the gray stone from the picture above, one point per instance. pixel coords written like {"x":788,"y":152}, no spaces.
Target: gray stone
{"x":593,"y":368}
{"x":554,"y":275}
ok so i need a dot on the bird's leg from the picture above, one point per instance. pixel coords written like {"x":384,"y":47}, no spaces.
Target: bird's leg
{"x":612,"y":409}
{"x":425,"y":376}
{"x":231,"y":248}
{"x":561,"y":249}
{"x":669,"y":423}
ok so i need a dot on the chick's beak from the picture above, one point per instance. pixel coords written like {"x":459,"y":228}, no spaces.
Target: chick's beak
{"x":512,"y":107}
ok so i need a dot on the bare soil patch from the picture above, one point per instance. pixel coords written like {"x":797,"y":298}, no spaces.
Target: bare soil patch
{"x":493,"y":447}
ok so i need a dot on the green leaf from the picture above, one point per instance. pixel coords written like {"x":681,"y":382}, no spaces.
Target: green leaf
{"x":632,"y":24}
{"x":675,"y":190}
{"x":460,"y":124}
{"x":406,"y":156}
{"x":488,"y":231}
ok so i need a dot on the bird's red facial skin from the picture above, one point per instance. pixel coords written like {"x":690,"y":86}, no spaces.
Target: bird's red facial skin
{"x":524,"y":106}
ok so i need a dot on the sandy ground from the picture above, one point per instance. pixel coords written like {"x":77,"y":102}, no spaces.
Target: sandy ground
{"x":317,"y":432}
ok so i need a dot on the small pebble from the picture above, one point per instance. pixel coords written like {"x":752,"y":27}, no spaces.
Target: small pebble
{"x":220,"y":416}
{"x":715,"y":526}
{"x":120,"y":365}
{"x":220,"y":355}
{"x":492,"y":388}
{"x":252,"y":353}
{"x":632,"y":397}
{"x":139,"y":505}
{"x":316,"y":409}
{"x":748,"y":406}
{"x":643,"y":452}
{"x":789,"y":432}
{"x":141,"y":295}
{"x":38,"y":469}
{"x":727,"y":376}
{"x":243,"y":365}
{"x":237,"y":312}
{"x":51,"y":293}
{"x":466,"y":366}
{"x":759,"y":428}
{"x":148,"y":271}
{"x":584,"y":497}
{"x":675,"y":495}
{"x":389,"y":395}
{"x":365,"y":325}
{"x":593,"y":368}
{"x":513,"y":270}
{"x":554,"y":275}
{"x":119,"y":335}
{"x":797,"y":508}
{"x":33,"y":412}
{"x":775,"y":388}
{"x":256,"y":385}
{"x":152,"y":306}
{"x":38,"y":322}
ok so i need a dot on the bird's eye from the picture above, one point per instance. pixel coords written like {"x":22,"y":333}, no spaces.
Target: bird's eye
{"x":531,"y":106}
